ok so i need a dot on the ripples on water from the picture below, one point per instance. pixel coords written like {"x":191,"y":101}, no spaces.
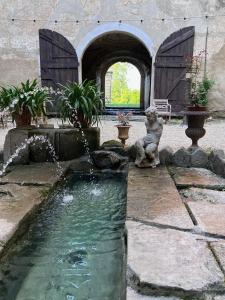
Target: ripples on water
{"x":75,"y":249}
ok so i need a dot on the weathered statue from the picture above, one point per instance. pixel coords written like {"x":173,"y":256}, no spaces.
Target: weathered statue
{"x":147,"y":147}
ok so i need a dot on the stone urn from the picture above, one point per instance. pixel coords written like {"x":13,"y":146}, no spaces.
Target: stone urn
{"x":195,"y":122}
{"x":123,"y":133}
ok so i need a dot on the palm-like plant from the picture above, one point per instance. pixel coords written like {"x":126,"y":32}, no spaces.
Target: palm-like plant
{"x":81,"y":104}
{"x":28,"y":98}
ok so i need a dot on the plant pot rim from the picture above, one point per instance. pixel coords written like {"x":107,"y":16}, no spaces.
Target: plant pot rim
{"x":123,"y":126}
{"x":196,"y":113}
{"x":197,"y":107}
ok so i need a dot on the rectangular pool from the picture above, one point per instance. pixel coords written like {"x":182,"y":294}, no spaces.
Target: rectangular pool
{"x":75,"y":249}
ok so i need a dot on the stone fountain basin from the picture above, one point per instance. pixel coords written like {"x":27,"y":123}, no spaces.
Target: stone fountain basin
{"x":68,"y":143}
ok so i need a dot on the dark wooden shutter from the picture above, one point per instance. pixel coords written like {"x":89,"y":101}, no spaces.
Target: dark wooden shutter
{"x":170,"y":68}
{"x":58,"y":61}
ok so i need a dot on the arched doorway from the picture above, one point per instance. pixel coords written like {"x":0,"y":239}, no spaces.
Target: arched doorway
{"x":116,"y":47}
{"x":112,"y":43}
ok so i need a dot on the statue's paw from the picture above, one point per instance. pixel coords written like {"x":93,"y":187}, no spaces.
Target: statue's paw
{"x":157,"y":162}
{"x":138,"y":165}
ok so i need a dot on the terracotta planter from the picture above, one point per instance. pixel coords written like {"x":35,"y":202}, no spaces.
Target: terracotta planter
{"x":24,"y":119}
{"x":123,"y":133}
{"x":195,"y":130}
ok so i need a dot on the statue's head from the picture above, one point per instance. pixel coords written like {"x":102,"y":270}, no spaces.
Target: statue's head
{"x":151,"y":113}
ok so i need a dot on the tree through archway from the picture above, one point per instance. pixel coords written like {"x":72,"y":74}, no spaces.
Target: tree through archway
{"x":122,"y":86}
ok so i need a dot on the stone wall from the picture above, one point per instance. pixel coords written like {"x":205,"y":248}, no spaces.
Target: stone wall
{"x":19,"y":40}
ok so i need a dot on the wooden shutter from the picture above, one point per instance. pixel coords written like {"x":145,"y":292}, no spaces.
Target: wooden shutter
{"x":170,"y":68}
{"x":58,"y":61}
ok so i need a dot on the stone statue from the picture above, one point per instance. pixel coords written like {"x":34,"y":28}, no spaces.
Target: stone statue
{"x":147,"y":147}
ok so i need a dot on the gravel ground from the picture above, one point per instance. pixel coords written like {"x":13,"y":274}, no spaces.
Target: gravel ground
{"x":173,"y":133}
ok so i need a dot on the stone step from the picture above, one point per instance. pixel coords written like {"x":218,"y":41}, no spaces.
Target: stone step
{"x":153,"y":197}
{"x":196,"y":177}
{"x":208,"y":209}
{"x":34,"y":174}
{"x":171,"y":261}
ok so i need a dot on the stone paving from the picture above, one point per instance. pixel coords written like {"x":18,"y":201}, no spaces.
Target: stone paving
{"x":175,"y":249}
{"x":153,"y":197}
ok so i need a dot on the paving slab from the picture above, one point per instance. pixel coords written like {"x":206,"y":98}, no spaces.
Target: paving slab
{"x":15,"y":203}
{"x":153,"y":197}
{"x":197,"y":177}
{"x":211,"y":196}
{"x":34,"y":174}
{"x":172,"y":260}
{"x":132,"y":295}
{"x":219,"y":251}
{"x":208,"y":208}
{"x":210,"y":217}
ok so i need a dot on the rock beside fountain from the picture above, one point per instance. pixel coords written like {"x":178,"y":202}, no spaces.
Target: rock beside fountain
{"x":196,"y":158}
{"x":108,"y":159}
{"x":217,"y":162}
{"x":114,"y":146}
{"x":112,"y":143}
{"x":166,"y":156}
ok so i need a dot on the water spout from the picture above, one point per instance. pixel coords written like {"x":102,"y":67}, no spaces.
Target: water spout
{"x":25,"y":144}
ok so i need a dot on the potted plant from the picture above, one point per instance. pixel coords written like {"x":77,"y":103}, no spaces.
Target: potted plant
{"x":123,"y":126}
{"x":24,"y":102}
{"x":198,"y":95}
{"x":81,"y":104}
{"x":199,"y":85}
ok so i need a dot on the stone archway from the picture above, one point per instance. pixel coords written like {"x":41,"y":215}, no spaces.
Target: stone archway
{"x":118,"y":47}
{"x":111,"y":27}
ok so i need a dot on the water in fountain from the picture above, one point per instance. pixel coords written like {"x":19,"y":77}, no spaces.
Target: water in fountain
{"x":25,"y":144}
{"x":75,"y":249}
{"x":85,"y":141}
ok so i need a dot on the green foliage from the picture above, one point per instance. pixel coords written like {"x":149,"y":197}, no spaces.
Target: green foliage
{"x":28,"y":95}
{"x":122,"y":95}
{"x":203,"y":89}
{"x":200,"y":96}
{"x":82,"y":101}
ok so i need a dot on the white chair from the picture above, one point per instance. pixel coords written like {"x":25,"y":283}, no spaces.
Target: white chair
{"x":163,"y":107}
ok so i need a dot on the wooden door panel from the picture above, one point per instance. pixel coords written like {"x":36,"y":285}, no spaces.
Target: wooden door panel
{"x":170,"y":68}
{"x":59,"y":62}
